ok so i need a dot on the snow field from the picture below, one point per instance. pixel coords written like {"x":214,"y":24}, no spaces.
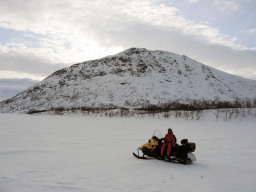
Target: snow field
{"x":77,"y":153}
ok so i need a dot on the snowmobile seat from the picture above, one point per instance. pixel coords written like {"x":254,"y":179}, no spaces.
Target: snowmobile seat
{"x":184,"y":141}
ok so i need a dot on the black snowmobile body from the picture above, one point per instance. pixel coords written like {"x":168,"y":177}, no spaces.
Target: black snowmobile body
{"x":180,"y":153}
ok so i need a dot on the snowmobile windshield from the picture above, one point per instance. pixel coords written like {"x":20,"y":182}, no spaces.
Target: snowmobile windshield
{"x":157,"y":134}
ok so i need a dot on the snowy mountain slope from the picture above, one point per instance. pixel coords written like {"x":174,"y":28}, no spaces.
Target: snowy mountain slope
{"x":133,"y":78}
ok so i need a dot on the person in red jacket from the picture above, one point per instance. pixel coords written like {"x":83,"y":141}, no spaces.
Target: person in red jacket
{"x":169,"y":142}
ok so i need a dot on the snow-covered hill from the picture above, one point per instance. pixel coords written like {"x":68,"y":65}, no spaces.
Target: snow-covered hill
{"x":133,"y":78}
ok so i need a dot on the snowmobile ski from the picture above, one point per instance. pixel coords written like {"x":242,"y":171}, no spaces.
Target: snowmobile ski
{"x":141,"y":157}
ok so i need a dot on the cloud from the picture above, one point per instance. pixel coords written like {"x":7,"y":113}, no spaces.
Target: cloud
{"x":224,"y":5}
{"x":23,"y":60}
{"x":86,"y":21}
{"x":63,"y":32}
{"x":251,"y":31}
{"x":11,"y":87}
{"x":192,"y":1}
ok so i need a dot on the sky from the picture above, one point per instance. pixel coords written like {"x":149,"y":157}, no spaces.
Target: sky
{"x":40,"y":37}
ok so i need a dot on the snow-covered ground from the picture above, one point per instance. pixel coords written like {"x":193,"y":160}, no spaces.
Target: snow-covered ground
{"x":78,"y":154}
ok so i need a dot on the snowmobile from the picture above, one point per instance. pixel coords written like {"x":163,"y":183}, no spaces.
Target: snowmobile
{"x":181,"y":153}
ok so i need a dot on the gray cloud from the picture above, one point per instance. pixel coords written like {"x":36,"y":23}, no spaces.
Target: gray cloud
{"x":31,"y":64}
{"x":11,"y":87}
